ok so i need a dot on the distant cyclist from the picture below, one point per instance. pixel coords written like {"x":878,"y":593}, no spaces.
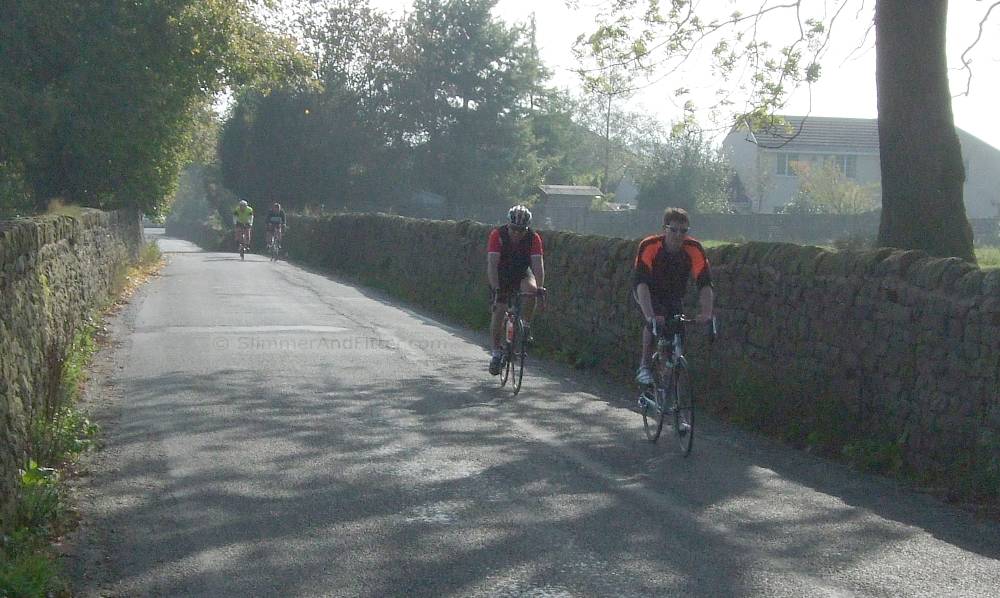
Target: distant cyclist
{"x":275,"y":224}
{"x":514,"y":264}
{"x":663,"y":265}
{"x":242,"y":222}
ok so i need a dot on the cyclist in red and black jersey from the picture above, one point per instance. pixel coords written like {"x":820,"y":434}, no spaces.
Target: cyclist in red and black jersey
{"x":514,"y":263}
{"x":663,"y":266}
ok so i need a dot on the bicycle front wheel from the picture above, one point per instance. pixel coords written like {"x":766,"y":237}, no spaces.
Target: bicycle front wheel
{"x":519,"y":351}
{"x":683,"y":402}
{"x":505,"y":366}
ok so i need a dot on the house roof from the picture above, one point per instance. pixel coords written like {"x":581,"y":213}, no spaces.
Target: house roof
{"x":821,"y":134}
{"x":577,"y":190}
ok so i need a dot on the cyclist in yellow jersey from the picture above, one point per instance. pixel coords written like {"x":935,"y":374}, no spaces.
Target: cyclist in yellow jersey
{"x":242,"y":221}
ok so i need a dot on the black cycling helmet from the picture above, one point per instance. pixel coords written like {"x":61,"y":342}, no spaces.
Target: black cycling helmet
{"x":519,"y":216}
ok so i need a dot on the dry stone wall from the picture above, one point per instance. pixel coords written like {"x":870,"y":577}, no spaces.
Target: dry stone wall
{"x":901,"y":347}
{"x":908,"y":345}
{"x":54,"y":271}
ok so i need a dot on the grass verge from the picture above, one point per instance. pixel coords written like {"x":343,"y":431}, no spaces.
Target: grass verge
{"x":988,"y":257}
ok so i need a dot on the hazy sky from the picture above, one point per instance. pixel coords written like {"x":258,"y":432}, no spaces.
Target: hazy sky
{"x":846,"y":88}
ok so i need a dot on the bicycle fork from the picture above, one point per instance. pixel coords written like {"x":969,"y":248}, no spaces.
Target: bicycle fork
{"x":648,"y":399}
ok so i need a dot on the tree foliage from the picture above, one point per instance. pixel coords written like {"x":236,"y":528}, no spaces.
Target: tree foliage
{"x":683,"y":170}
{"x":100,"y":98}
{"x":608,"y":81}
{"x":823,"y":189}
{"x":288,"y":145}
{"x":651,"y":38}
{"x":447,"y":99}
{"x":469,"y":78}
{"x":568,"y":152}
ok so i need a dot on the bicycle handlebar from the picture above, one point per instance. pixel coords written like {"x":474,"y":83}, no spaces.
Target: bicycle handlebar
{"x":685,"y":319}
{"x":541,"y":292}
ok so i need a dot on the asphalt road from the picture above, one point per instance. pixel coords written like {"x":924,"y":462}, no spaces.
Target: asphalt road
{"x":272,"y":431}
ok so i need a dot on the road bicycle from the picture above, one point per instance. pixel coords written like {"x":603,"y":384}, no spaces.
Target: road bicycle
{"x":274,"y":245}
{"x":671,"y":395}
{"x":515,"y":342}
{"x":243,"y":239}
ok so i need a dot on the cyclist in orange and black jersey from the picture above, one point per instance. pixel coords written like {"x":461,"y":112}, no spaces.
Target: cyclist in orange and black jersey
{"x":663,"y":266}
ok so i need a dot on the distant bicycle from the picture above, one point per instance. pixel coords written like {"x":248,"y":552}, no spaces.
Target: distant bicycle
{"x":243,"y":238}
{"x":275,"y":233}
{"x":274,"y":247}
{"x":515,"y":342}
{"x":671,"y":394}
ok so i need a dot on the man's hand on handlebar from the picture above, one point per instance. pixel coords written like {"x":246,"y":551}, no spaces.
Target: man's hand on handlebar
{"x":540,"y":294}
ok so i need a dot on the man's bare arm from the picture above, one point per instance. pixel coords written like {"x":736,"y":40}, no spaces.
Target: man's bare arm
{"x":644,"y":299}
{"x":538,"y":269}
{"x":492,"y":261}
{"x":706,"y":303}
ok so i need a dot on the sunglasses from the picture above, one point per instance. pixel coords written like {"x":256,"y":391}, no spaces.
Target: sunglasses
{"x":677,"y":230}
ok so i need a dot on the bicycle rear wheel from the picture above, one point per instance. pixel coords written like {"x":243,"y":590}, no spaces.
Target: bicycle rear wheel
{"x":519,"y":351}
{"x":683,"y":398}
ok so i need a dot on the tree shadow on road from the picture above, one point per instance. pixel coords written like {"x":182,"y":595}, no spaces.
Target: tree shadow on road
{"x":242,"y":483}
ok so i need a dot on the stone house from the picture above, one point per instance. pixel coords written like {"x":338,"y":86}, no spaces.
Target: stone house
{"x":764,"y":159}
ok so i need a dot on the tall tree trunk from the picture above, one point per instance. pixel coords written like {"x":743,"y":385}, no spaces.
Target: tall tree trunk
{"x":922,"y":172}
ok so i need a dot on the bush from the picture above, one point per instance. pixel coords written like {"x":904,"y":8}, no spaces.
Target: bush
{"x":15,"y":199}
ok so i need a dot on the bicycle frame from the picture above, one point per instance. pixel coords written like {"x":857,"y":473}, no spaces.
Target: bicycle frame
{"x":275,"y":233}
{"x":243,"y":234}
{"x":514,"y":349}
{"x":274,"y":236}
{"x":242,"y":238}
{"x":671,"y":392}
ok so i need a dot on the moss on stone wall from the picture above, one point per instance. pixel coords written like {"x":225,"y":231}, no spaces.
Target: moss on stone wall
{"x":54,"y":270}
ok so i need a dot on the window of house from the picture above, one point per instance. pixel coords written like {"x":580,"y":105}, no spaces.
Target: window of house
{"x":848,"y":164}
{"x":785,"y":164}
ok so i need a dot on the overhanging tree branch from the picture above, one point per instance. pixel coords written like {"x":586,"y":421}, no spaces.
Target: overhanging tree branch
{"x":966,"y":61}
